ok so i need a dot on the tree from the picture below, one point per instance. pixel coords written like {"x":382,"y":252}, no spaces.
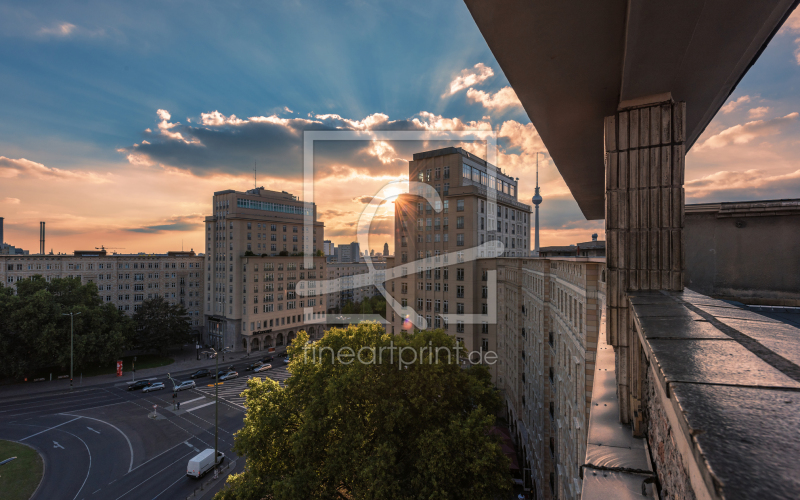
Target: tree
{"x":35,"y":335}
{"x":160,"y":325}
{"x":371,"y":430}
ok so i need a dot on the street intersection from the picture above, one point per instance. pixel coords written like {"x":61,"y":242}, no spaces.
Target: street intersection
{"x":106,"y":442}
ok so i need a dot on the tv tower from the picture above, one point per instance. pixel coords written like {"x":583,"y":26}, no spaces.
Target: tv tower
{"x":537,"y":200}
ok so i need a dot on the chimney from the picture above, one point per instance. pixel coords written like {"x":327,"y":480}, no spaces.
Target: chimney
{"x":1,"y":233}
{"x":41,"y":238}
{"x":594,"y":237}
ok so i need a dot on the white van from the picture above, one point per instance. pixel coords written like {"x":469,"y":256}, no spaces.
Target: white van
{"x":203,"y":462}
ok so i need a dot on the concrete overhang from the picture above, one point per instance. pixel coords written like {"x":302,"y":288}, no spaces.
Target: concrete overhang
{"x":572,"y":63}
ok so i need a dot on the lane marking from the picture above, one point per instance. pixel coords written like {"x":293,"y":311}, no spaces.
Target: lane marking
{"x":144,"y":463}
{"x":51,"y":428}
{"x":201,"y":406}
{"x":93,"y":430}
{"x":182,"y":478}
{"x":187,"y":444}
{"x":154,"y":475}
{"x":193,"y":400}
{"x":90,"y":461}
{"x":56,"y":445}
{"x":130,"y":446}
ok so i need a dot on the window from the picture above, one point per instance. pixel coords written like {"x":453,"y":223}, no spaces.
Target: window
{"x":460,"y":222}
{"x":460,"y":240}
{"x":459,"y":205}
{"x":460,"y":274}
{"x":446,"y":172}
{"x":460,"y":292}
{"x":460,"y":329}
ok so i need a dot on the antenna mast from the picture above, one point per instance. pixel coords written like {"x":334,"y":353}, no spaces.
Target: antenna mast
{"x":255,"y":183}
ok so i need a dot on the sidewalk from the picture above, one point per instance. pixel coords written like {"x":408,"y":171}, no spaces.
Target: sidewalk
{"x":184,"y":364}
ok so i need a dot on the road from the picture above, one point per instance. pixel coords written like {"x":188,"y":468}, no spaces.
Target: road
{"x":103,"y":442}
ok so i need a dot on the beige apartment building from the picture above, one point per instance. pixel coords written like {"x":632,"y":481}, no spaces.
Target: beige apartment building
{"x":356,"y":282}
{"x":125,"y":280}
{"x":547,"y":334}
{"x":432,"y":273}
{"x":259,"y":245}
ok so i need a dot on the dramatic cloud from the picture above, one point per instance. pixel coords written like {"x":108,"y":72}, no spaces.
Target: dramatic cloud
{"x":742,"y":134}
{"x":758,"y":112}
{"x":469,"y":77}
{"x":503,"y":98}
{"x":792,"y":26}
{"x":181,"y":223}
{"x":746,"y":185}
{"x":21,"y":167}
{"x":732,"y":105}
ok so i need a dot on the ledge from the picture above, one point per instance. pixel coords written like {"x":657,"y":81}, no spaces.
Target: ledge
{"x":730,"y":384}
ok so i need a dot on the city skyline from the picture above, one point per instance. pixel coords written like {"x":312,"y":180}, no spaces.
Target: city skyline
{"x":132,"y":166}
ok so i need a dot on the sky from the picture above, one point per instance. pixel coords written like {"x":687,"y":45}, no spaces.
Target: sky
{"x":120,"y":119}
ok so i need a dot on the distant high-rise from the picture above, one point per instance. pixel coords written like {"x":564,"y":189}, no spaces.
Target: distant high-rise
{"x":537,"y":200}
{"x":327,"y":247}
{"x":385,"y":249}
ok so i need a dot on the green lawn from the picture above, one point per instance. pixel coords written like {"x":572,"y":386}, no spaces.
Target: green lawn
{"x":19,"y":478}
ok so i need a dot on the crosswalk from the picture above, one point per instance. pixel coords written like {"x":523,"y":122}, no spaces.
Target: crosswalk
{"x":231,"y":390}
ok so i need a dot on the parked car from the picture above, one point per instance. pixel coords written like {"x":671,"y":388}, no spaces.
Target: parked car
{"x":264,"y":367}
{"x":229,"y":376}
{"x":139,"y":384}
{"x":201,"y":373}
{"x":286,"y":360}
{"x":254,"y":366}
{"x":187,"y":384}
{"x":203,"y":462}
{"x":156,"y":386}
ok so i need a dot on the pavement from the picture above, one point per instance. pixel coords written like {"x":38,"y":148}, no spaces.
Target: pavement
{"x":101,"y":440}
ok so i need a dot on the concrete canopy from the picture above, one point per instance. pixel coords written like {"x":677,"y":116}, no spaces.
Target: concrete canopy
{"x":572,"y":63}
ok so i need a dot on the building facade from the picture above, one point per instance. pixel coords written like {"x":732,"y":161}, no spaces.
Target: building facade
{"x":431,"y":275}
{"x":356,"y":284}
{"x":125,"y":280}
{"x":259,"y":246}
{"x":547,"y":331}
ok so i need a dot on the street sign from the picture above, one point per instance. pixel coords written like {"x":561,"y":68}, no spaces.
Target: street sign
{"x":119,"y":368}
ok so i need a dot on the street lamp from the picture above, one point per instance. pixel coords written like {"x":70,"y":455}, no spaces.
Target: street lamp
{"x":216,"y":399}
{"x":71,"y":343}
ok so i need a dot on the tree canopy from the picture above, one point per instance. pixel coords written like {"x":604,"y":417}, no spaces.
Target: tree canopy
{"x":34,"y":334}
{"x":160,"y":325}
{"x":367,"y":427}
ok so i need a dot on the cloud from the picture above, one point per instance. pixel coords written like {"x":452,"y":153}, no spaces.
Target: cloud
{"x":742,"y":134}
{"x":10,"y":168}
{"x":792,"y":26}
{"x":758,"y":112}
{"x":362,"y":199}
{"x":10,"y":201}
{"x":469,"y":77}
{"x":180,"y":223}
{"x":732,"y":105}
{"x":744,"y":185}
{"x":67,"y":30}
{"x":503,"y":98}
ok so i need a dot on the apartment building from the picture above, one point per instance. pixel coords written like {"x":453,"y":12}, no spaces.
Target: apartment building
{"x":356,"y":282}
{"x":260,"y":245}
{"x":125,"y":280}
{"x":432,"y":273}
{"x":547,"y":335}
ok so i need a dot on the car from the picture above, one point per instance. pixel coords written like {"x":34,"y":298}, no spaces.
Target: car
{"x":254,"y":366}
{"x":201,"y":373}
{"x":229,"y":376}
{"x":286,"y":360}
{"x":187,"y":384}
{"x":268,"y":359}
{"x":203,"y":462}
{"x":264,"y":367}
{"x":139,"y":384}
{"x":155,"y":386}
